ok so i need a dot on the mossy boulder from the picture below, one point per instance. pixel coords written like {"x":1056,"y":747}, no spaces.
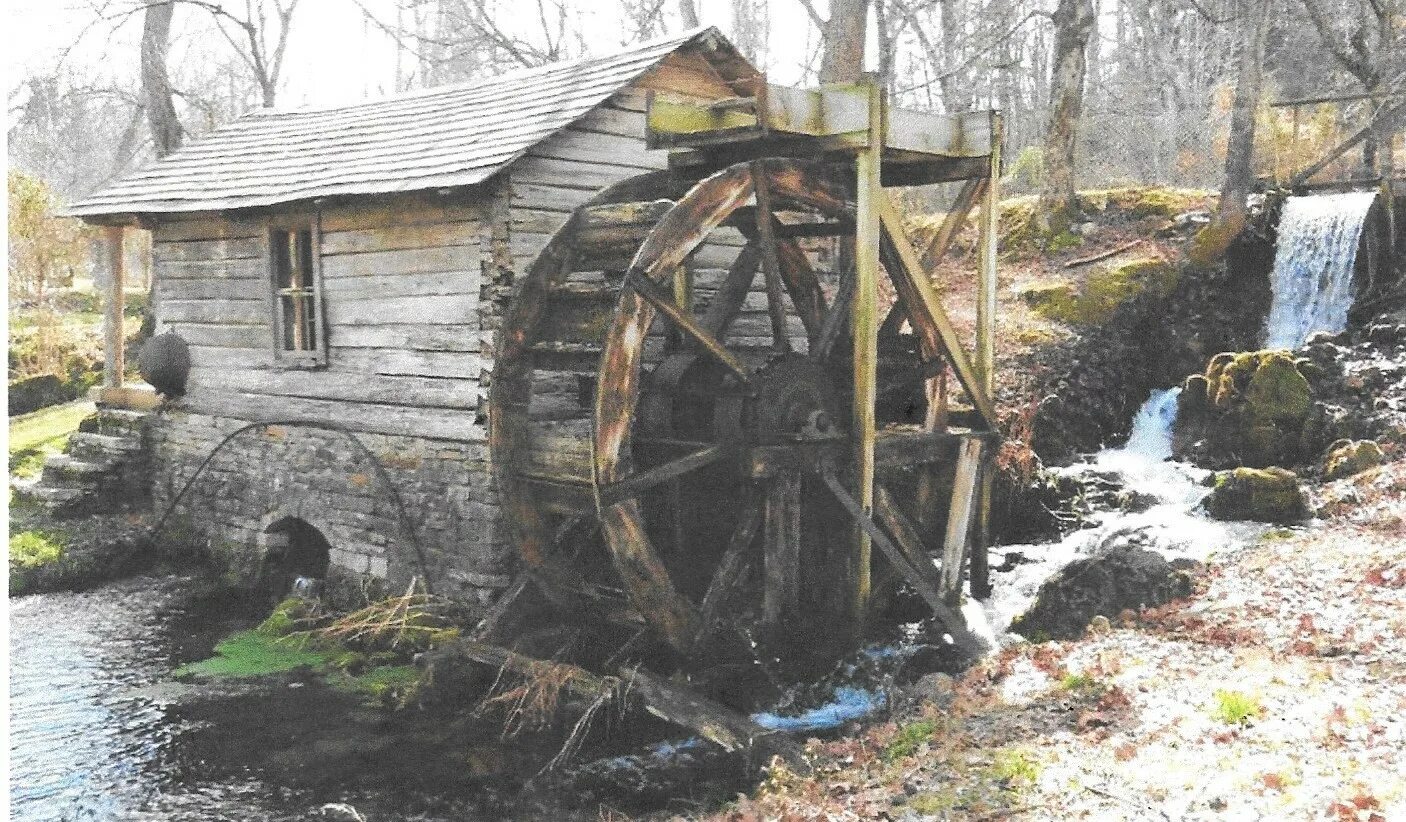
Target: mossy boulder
{"x":1107,"y":288}
{"x":1348,"y":457}
{"x":1249,"y":408}
{"x":1259,"y":494}
{"x":1050,"y":299}
{"x":1138,"y":202}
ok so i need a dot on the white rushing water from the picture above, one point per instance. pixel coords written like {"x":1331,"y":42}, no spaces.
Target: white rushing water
{"x":1172,"y":524}
{"x":1313,"y":263}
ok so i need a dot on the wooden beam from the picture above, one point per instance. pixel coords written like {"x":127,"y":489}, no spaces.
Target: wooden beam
{"x":733,"y":566}
{"x":771,"y":264}
{"x":971,"y":192}
{"x":950,"y":617}
{"x":938,"y":334}
{"x":114,"y":355}
{"x":986,"y":299}
{"x":905,"y":535}
{"x":1383,"y":120}
{"x":864,"y":326}
{"x":959,"y":518}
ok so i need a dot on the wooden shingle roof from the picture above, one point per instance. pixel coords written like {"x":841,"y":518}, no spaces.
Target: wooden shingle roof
{"x":436,"y":138}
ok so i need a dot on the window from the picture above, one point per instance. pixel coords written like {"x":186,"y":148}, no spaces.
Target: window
{"x":300,"y":333}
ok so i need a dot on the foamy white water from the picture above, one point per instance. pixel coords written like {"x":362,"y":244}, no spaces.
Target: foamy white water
{"x":1173,"y":525}
{"x":1313,"y":263}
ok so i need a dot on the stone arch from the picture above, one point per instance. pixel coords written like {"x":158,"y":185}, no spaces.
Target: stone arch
{"x":291,"y":547}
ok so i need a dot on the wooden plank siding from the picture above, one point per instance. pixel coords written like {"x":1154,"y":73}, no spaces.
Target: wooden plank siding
{"x":401,"y":294}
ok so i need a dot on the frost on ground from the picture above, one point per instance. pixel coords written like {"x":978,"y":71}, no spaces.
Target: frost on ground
{"x":1277,"y":691}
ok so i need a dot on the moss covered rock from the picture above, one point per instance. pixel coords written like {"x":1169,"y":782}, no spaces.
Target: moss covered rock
{"x":1259,"y":494}
{"x":1103,"y":292}
{"x":1249,"y":408}
{"x":1348,"y":457}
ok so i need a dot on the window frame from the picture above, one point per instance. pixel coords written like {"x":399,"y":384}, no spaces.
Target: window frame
{"x":290,"y":226}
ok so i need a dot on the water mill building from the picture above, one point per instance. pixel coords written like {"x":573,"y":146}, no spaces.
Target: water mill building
{"x":455,"y":332}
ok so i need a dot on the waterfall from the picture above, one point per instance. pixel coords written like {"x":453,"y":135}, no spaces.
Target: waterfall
{"x":1152,"y":427}
{"x":1313,"y":263}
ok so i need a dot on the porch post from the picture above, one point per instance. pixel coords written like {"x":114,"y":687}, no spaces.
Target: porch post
{"x":114,"y":360}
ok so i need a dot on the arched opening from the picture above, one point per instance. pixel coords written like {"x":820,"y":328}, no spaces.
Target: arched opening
{"x":294,"y":550}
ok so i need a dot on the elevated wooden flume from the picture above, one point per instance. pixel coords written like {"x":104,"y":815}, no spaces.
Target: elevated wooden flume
{"x":702,"y":424}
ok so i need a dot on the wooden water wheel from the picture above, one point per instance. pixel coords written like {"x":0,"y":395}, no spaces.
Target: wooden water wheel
{"x":671,"y":396}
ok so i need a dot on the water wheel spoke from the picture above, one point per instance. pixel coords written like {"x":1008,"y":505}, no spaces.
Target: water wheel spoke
{"x":727,"y":301}
{"x":642,"y":481}
{"x":734,"y":564}
{"x":663,"y":301}
{"x":771,"y":265}
{"x":834,"y":321}
{"x":803,"y":286}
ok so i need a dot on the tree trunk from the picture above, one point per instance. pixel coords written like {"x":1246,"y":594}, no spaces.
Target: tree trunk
{"x":1074,"y":23}
{"x":843,"y":61}
{"x":1240,"y":149}
{"x":166,"y":131}
{"x":688,"y":10}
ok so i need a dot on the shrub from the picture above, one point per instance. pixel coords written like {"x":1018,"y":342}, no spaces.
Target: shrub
{"x":32,"y":549}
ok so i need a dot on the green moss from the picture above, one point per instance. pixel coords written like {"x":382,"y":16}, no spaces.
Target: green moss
{"x":33,"y":549}
{"x":1138,"y":202}
{"x":1261,"y":494}
{"x":1063,"y":241}
{"x":1079,"y":683}
{"x":1103,"y":292}
{"x":1236,"y":707}
{"x":387,"y":684}
{"x":1015,"y":768}
{"x":1348,"y":457}
{"x":290,"y":615}
{"x":252,"y":653}
{"x":934,"y":803}
{"x":908,"y":739}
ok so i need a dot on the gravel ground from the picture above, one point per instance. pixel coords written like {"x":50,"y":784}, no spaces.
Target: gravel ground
{"x":1276,"y":692}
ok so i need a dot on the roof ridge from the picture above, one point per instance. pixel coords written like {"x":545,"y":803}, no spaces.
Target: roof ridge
{"x":475,"y":135}
{"x":521,"y":73}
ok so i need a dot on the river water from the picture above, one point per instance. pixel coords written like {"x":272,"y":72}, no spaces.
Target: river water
{"x":99,"y":731}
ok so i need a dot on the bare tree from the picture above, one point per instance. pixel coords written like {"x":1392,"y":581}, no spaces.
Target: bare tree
{"x":750,"y":28}
{"x":1240,"y":148}
{"x":842,"y":38}
{"x":1368,"y":49}
{"x":688,"y":12}
{"x":1074,"y":22}
{"x":259,"y":36}
{"x":166,"y":130}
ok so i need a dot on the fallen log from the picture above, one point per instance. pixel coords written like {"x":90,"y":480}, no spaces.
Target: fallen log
{"x":726,"y":728}
{"x":1103,"y":255}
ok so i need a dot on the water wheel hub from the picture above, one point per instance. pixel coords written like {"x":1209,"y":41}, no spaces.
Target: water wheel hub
{"x":792,"y":399}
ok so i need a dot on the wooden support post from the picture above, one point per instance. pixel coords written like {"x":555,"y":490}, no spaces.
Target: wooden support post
{"x":114,"y":357}
{"x":959,"y":518}
{"x":986,"y":299}
{"x":782,"y":567}
{"x":986,"y":325}
{"x":865,"y":328}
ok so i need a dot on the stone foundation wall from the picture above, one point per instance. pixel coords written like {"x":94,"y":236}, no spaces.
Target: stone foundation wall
{"x":318,"y":475}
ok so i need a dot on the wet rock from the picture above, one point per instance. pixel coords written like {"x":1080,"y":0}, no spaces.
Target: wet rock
{"x":1348,"y":457}
{"x":1259,"y":494}
{"x":1122,"y":575}
{"x":1248,"y":408}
